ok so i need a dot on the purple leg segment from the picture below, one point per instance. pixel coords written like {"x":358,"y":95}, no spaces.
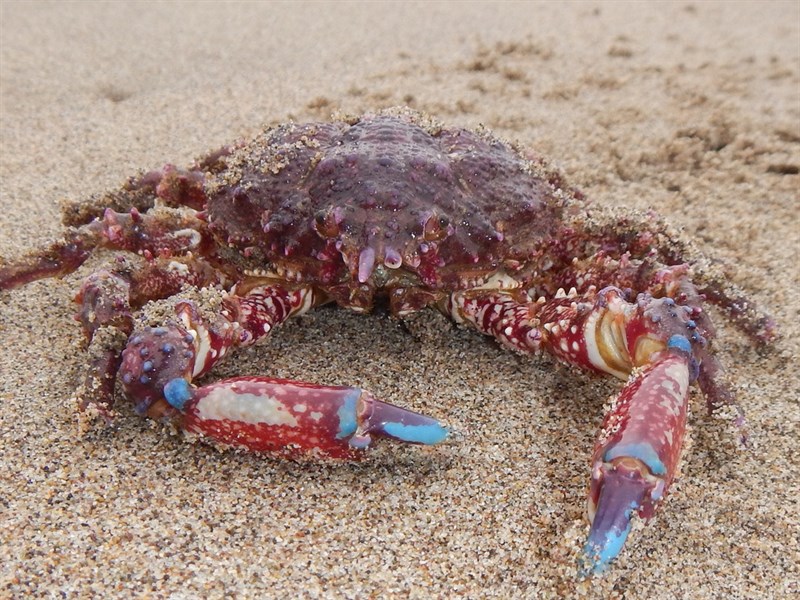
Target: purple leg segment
{"x":108,"y":296}
{"x":161,"y":232}
{"x":106,"y":300}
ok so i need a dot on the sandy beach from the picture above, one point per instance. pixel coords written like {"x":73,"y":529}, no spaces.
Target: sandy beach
{"x":688,"y":108}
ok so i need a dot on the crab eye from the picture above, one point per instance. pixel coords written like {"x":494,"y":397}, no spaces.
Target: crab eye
{"x":435,"y":227}
{"x":239,"y":194}
{"x":325,"y":224}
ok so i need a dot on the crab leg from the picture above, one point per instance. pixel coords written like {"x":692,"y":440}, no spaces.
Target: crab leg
{"x":108,"y":295}
{"x":258,"y":414}
{"x":171,"y":186}
{"x":128,"y":219}
{"x":160,"y":232}
{"x":640,"y":236}
{"x":653,"y":343}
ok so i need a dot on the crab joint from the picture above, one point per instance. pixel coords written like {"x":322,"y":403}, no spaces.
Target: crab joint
{"x":295,"y":418}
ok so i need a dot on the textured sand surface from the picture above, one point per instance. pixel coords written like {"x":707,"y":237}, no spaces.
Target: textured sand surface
{"x":692,"y":109}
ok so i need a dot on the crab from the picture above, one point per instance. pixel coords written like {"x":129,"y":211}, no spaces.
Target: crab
{"x":391,"y":208}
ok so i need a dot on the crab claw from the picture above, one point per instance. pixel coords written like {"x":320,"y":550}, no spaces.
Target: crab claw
{"x":295,"y":418}
{"x":627,"y":486}
{"x":381,"y":419}
{"x":637,"y":454}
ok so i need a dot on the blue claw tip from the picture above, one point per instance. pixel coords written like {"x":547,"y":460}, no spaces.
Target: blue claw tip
{"x":431,"y":433}
{"x":624,"y":491}
{"x":603,"y":547}
{"x":178,"y":392}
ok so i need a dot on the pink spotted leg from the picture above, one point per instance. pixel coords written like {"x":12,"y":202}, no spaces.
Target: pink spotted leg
{"x":259,"y":414}
{"x":653,"y":343}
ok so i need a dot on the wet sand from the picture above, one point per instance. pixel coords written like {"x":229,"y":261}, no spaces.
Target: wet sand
{"x":691,"y":109}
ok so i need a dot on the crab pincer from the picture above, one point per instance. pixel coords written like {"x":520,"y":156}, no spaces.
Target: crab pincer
{"x":637,"y":453}
{"x":294,"y":418}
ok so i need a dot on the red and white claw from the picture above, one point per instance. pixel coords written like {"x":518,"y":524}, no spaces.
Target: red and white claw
{"x":294,"y":418}
{"x":637,"y":453}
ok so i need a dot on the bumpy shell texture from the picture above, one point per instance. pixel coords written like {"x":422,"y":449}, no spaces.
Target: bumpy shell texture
{"x":357,"y":199}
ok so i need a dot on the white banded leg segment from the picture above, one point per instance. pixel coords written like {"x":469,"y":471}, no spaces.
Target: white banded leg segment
{"x":499,"y":315}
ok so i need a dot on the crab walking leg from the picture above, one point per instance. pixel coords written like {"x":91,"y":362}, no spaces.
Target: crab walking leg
{"x":294,"y":418}
{"x":160,"y":232}
{"x":108,"y":295}
{"x":643,"y":235}
{"x":671,"y":284}
{"x":171,"y":186}
{"x":258,"y":414}
{"x":653,"y":343}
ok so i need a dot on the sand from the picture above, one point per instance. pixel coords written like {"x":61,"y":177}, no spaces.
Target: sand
{"x":689,"y":108}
